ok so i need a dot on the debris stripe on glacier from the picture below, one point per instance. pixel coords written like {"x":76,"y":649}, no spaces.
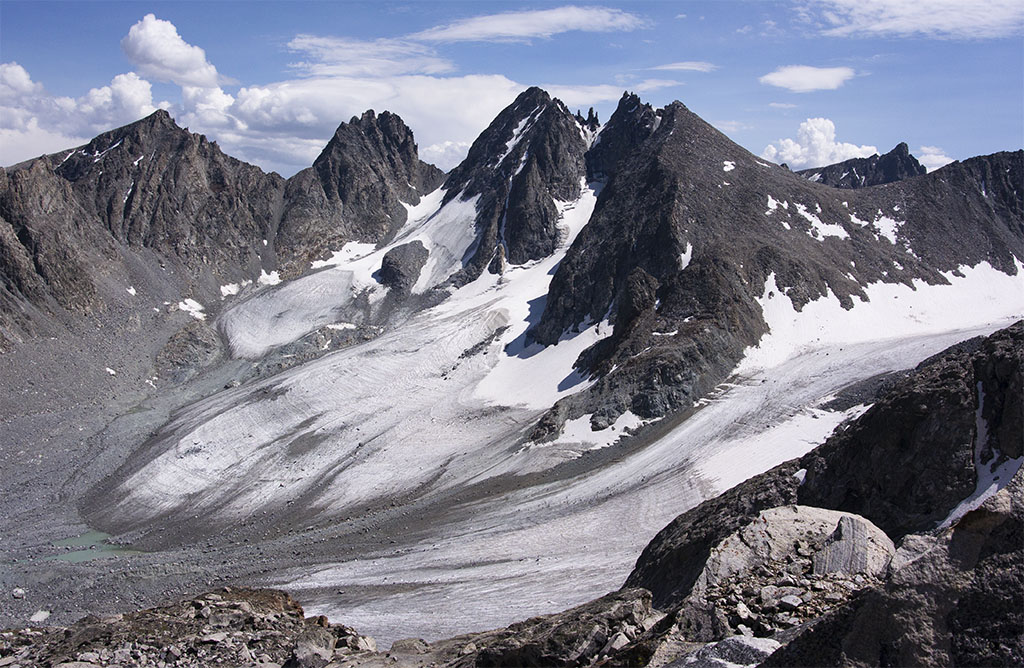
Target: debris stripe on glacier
{"x":323,"y":418}
{"x":556,"y":544}
{"x":770,"y":416}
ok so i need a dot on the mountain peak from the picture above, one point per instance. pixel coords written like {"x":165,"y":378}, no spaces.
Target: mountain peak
{"x":355,"y":189}
{"x":630,"y":124}
{"x":531,"y":154}
{"x":533,"y":95}
{"x":896,"y":165}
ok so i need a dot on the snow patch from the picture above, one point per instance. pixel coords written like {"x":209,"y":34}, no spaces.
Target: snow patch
{"x":273,"y":278}
{"x":819,"y":229}
{"x":579,"y":432}
{"x":743,"y":458}
{"x":728,"y":165}
{"x":99,"y":156}
{"x":193,"y":308}
{"x":130,"y":290}
{"x":534,"y":376}
{"x":353,"y":250}
{"x":983,"y":296}
{"x":517,"y":134}
{"x":685,"y":257}
{"x":857,"y":221}
{"x":111,"y":371}
{"x":230,"y":289}
{"x":887,"y":227}
{"x":322,"y":297}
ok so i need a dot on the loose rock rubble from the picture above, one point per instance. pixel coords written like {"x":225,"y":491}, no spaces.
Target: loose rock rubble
{"x":233,"y":627}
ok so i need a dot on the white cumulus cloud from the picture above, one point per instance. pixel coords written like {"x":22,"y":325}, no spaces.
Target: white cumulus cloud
{"x":156,"y":48}
{"x":954,"y":19}
{"x":815,"y":146}
{"x":933,"y":157}
{"x":524,"y":25}
{"x":804,"y":78}
{"x":128,"y":97}
{"x":33,"y":122}
{"x":445,"y":154}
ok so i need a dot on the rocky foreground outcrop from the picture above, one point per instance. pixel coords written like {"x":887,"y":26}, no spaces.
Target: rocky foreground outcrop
{"x":232,"y":627}
{"x":828,"y":560}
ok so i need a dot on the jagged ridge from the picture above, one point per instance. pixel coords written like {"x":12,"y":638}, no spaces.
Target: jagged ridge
{"x":896,"y":165}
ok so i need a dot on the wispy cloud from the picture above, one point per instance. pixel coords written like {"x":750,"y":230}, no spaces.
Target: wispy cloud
{"x":815,"y":146}
{"x":525,"y":25}
{"x":340,"y":56}
{"x":781,"y":105}
{"x":804,"y":78}
{"x":956,"y":19}
{"x":688,"y":66}
{"x":732,"y":126}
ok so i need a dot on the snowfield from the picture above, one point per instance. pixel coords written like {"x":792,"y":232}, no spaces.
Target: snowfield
{"x":424,"y":429}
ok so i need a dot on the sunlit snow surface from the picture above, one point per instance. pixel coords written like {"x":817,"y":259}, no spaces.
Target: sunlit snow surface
{"x":550,"y":546}
{"x":434,"y":414}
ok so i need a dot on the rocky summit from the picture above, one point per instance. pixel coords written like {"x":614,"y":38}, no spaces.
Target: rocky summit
{"x":896,"y":165}
{"x":603,"y":394}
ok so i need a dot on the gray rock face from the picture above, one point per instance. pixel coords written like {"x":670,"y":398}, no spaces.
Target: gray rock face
{"x":735,"y":651}
{"x":401,"y":266}
{"x":896,"y":165}
{"x":953,"y":598}
{"x":856,"y":546}
{"x":532,"y":153}
{"x":577,"y":637}
{"x":155,"y":185}
{"x":959,"y":601}
{"x":853,"y":470}
{"x":155,"y":196}
{"x":838,"y":543}
{"x":686,"y":218}
{"x":632,"y":122}
{"x":671,"y":563}
{"x":909,"y":460}
{"x":354,"y":190}
{"x":253,"y":627}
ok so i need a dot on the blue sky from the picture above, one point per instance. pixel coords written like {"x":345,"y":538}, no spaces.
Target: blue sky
{"x":803,"y":81}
